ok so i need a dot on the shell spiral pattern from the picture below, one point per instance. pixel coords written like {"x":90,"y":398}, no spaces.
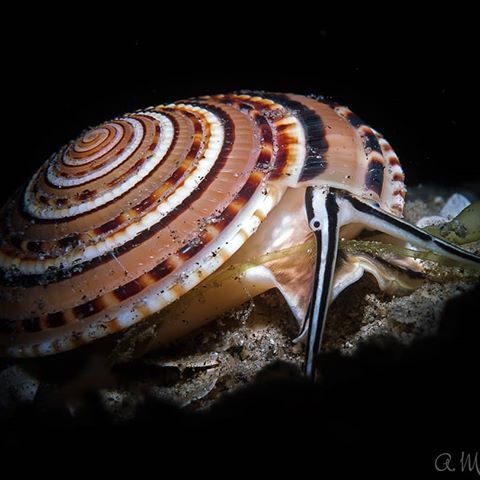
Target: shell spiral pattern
{"x":136,"y":212}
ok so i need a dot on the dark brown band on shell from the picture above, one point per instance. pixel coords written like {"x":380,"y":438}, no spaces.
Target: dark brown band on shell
{"x":376,"y":164}
{"x":317,"y":146}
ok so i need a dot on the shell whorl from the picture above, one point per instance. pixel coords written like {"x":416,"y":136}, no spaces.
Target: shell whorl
{"x":136,"y":212}
{"x":100,"y":166}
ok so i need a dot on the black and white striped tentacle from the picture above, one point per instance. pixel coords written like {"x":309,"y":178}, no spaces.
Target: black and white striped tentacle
{"x":322,"y":212}
{"x":354,"y":210}
{"x":327,"y":211}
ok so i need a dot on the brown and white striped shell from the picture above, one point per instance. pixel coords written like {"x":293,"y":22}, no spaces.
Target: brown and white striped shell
{"x":136,"y":212}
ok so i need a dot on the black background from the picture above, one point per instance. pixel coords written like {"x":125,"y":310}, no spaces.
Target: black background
{"x":414,"y":81}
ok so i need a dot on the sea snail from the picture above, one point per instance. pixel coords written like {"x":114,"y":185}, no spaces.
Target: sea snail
{"x":138,"y":211}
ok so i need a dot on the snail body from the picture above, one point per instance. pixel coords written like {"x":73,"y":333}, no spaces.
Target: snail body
{"x":137,"y":212}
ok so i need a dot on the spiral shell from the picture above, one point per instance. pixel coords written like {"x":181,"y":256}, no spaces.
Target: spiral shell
{"x":134,"y":213}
